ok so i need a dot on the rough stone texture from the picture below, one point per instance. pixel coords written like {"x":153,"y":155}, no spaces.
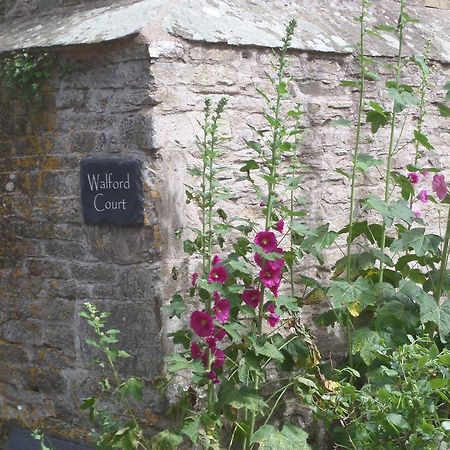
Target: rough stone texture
{"x":143,"y":101}
{"x":51,"y":262}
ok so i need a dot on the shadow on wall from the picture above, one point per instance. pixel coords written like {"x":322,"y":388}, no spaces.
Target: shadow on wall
{"x":22,"y":440}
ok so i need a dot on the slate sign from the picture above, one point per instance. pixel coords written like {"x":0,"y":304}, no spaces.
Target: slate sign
{"x":111,"y":191}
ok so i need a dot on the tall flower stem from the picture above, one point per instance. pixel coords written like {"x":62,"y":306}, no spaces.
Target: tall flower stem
{"x":444,"y":260}
{"x":391,"y":148}
{"x":272,"y":163}
{"x":354,"y":164}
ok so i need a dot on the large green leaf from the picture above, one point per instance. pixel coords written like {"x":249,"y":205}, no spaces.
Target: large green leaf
{"x":390,"y":211}
{"x":430,"y":310}
{"x":418,"y":241}
{"x":166,"y":440}
{"x":289,"y":438}
{"x":367,"y":343}
{"x":345,"y":294}
{"x":242,"y":397}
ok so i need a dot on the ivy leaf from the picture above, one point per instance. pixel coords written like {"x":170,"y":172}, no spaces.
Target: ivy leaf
{"x":290,"y":437}
{"x":423,"y":140}
{"x":418,"y":241}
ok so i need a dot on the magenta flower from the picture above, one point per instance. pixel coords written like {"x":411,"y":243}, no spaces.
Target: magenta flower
{"x":194,"y":279}
{"x":279,"y":226}
{"x":202,"y":323}
{"x":417,"y":212}
{"x":260,"y":260}
{"x":266,"y":240}
{"x":219,"y":359}
{"x":439,"y":186}
{"x":425,"y":173}
{"x":211,"y":342}
{"x":216,"y":296}
{"x":221,"y":309}
{"x":251,"y":297}
{"x":413,"y":177}
{"x":196,"y":351}
{"x":274,"y":289}
{"x":272,"y":317}
{"x":216,"y":260}
{"x":220,"y":333}
{"x":423,"y":196}
{"x":213,"y":377}
{"x":218,"y":274}
{"x":270,"y":274}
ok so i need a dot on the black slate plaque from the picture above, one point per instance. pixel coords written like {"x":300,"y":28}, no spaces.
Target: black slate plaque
{"x":111,"y":191}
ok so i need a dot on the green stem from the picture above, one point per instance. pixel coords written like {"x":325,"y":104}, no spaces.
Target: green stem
{"x":444,"y":260}
{"x":354,"y":170}
{"x":387,"y":185}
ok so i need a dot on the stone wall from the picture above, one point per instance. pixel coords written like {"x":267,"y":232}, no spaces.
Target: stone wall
{"x":51,"y":262}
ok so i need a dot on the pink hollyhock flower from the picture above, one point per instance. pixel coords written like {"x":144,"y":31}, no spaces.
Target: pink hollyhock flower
{"x":222,"y":310}
{"x":423,"y":196}
{"x":220,"y":334}
{"x":439,"y":186}
{"x":251,"y":297}
{"x":260,"y":260}
{"x":413,"y":177}
{"x":216,"y":296}
{"x":270,"y":274}
{"x":211,"y":342}
{"x":417,"y":212}
{"x":213,"y":377}
{"x":425,"y":173}
{"x":202,"y":323}
{"x":216,"y":260}
{"x":279,"y":226}
{"x":218,"y":274}
{"x":266,"y":240}
{"x":196,"y":351}
{"x":219,"y":359}
{"x":274,"y":289}
{"x":194,"y":278}
{"x":272,"y":317}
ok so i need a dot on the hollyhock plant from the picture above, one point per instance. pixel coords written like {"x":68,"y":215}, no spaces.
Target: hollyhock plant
{"x":251,"y":297}
{"x":221,"y":309}
{"x":202,"y":323}
{"x":211,"y":342}
{"x":220,"y":333}
{"x":218,"y":274}
{"x":219,"y":359}
{"x":194,"y":279}
{"x":423,"y":196}
{"x":260,"y":260}
{"x":266,"y":240}
{"x":272,"y":317}
{"x":413,"y":177}
{"x":216,"y":260}
{"x":439,"y":186}
{"x":270,"y":274}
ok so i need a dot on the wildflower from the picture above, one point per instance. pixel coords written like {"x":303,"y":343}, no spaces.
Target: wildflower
{"x":266,"y":240}
{"x":413,"y":177}
{"x":439,"y":186}
{"x":222,"y":310}
{"x":272,"y":317}
{"x":279,"y":226}
{"x":423,"y":196}
{"x":216,"y":260}
{"x":251,"y":297}
{"x":218,"y":274}
{"x":194,"y":279}
{"x":202,"y":323}
{"x":270,"y":274}
{"x":196,"y":351}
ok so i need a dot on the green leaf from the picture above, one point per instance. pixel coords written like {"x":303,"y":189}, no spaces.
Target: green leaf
{"x":345,"y":294}
{"x":166,"y":440}
{"x":405,"y":185}
{"x":177,"y":362}
{"x":132,"y":387}
{"x":438,"y":383}
{"x":290,"y":437}
{"x":269,"y":350}
{"x":365,"y":162}
{"x":418,"y":241}
{"x":398,"y":421}
{"x":241,"y":397}
{"x":444,"y":110}
{"x":350,"y":83}
{"x":249,"y":165}
{"x":340,"y":123}
{"x":390,"y":211}
{"x":343,"y":172}
{"x":254,"y":146}
{"x":367,"y":343}
{"x":191,"y":428}
{"x":376,"y":120}
{"x":176,"y":308}
{"x":423,"y":140}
